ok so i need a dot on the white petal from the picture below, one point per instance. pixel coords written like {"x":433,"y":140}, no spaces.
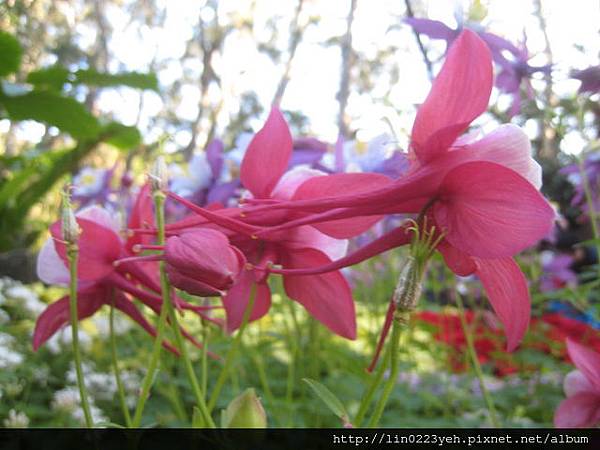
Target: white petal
{"x":100,"y":216}
{"x":50,"y":268}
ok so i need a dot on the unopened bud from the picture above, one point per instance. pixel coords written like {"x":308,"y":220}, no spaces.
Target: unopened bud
{"x":159,"y":178}
{"x":244,"y":411}
{"x":70,"y":228}
{"x":408,"y":288}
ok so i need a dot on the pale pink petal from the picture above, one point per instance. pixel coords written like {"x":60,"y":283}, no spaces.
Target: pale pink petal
{"x":581,"y":410}
{"x":100,"y":216}
{"x":309,"y":237}
{"x":460,"y":93}
{"x":267,"y":156}
{"x":507,"y":290}
{"x":490,"y":211}
{"x":508,"y":145}
{"x":236,"y":300}
{"x":50,"y":267}
{"x":291,"y":180}
{"x":586,"y":360}
{"x":576,"y":382}
{"x":326,"y":297}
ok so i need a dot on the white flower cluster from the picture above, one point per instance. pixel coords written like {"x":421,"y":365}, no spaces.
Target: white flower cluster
{"x":8,"y":357}
{"x":16,"y":419}
{"x":15,"y":290}
{"x":67,"y":401}
{"x":62,"y":339}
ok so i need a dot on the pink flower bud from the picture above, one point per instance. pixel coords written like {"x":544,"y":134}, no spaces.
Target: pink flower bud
{"x":202,"y":262}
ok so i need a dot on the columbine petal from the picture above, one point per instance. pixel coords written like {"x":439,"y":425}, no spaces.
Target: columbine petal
{"x":142,"y":216}
{"x":506,"y":288}
{"x":460,"y":263}
{"x":459,"y":94}
{"x":236,"y":300}
{"x":509,"y":146}
{"x":326,"y":297}
{"x":98,"y":246}
{"x":291,"y":180}
{"x":100,"y":216}
{"x":490,"y":211}
{"x":576,"y":382}
{"x":309,"y":237}
{"x":343,"y":184}
{"x":267,"y":156}
{"x":581,"y":410}
{"x":50,"y":267}
{"x":586,"y":360}
{"x":57,"y":314}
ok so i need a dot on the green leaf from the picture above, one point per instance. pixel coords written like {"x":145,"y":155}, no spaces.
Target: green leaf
{"x":10,"y":54}
{"x":52,"y":78}
{"x":132,"y":79}
{"x":122,"y":136}
{"x":64,"y":113}
{"x":329,"y":398}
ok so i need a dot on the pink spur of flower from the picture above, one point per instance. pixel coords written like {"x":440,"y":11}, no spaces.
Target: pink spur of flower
{"x":327,"y":296}
{"x":482,"y":193}
{"x":101,"y":279}
{"x":581,"y":408}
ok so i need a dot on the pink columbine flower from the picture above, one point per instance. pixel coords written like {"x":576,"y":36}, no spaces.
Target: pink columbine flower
{"x":202,"y":262}
{"x":327,"y":296}
{"x":482,"y":193}
{"x":581,"y":408}
{"x":101,"y":279}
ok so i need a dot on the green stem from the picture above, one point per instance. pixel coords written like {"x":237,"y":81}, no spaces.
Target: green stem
{"x":152,"y":366}
{"x":72,"y":254}
{"x":232,"y":351}
{"x":159,"y":201}
{"x":113,"y":349}
{"x":204,"y":363}
{"x":375,"y":383}
{"x":393,"y":376}
{"x":475,"y":361}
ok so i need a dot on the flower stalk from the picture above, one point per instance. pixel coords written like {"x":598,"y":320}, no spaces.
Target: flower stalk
{"x":70,"y":234}
{"x":113,"y":349}
{"x":475,"y":361}
{"x":232,"y":351}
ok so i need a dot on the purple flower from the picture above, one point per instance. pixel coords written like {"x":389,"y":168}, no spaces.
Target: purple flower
{"x":435,"y":29}
{"x":557,"y":272}
{"x":92,"y":185}
{"x":590,"y":79}
{"x":512,"y":60}
{"x":516,"y":71}
{"x":591,"y":166}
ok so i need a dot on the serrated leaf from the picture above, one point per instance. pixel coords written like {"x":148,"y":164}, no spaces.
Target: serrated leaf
{"x":132,"y":79}
{"x":51,"y":108}
{"x":52,"y":78}
{"x":10,"y":54}
{"x":329,"y":398}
